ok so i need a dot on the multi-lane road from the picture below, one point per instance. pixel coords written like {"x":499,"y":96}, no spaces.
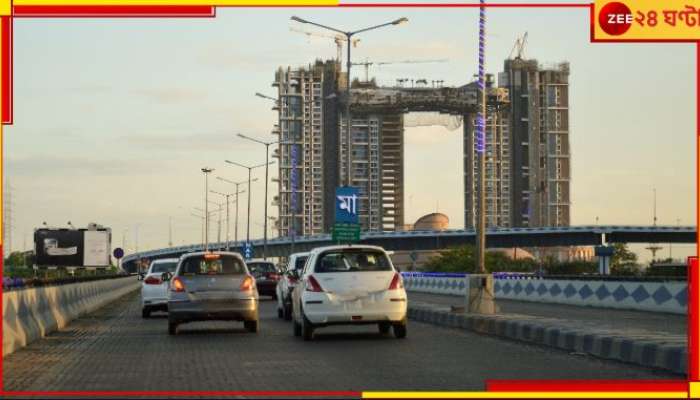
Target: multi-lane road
{"x":115,"y":349}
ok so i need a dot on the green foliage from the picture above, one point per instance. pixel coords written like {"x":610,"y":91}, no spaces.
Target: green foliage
{"x":15,"y":259}
{"x":463,"y":259}
{"x":624,"y":262}
{"x":456,"y":259}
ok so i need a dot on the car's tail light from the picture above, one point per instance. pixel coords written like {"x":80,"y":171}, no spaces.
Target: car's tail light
{"x":247,"y":283}
{"x":177,"y":285}
{"x":273,"y":276}
{"x":313,"y":285}
{"x":396,"y":282}
{"x":152,"y":280}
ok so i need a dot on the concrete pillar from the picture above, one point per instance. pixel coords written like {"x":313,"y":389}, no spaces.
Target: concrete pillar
{"x":604,"y":254}
{"x":480,"y":298}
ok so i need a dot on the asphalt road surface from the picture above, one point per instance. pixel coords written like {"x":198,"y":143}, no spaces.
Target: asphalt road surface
{"x":115,"y":349}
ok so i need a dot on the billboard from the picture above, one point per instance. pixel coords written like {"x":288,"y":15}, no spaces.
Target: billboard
{"x":72,"y":247}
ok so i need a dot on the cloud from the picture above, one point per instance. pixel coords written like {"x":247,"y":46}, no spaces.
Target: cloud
{"x":170,"y":95}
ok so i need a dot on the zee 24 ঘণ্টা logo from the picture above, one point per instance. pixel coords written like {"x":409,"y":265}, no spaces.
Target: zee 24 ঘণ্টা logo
{"x":616,"y":18}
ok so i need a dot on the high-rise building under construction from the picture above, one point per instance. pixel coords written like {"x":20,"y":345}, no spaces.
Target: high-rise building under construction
{"x":312,"y":131}
{"x":527,"y":174}
{"x":539,"y":131}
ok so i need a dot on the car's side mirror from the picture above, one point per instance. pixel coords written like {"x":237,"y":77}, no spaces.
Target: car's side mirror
{"x":166,"y":276}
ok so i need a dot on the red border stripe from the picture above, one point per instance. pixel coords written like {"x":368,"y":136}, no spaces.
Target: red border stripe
{"x":586,"y":386}
{"x":129,"y":393}
{"x":6,"y":70}
{"x":114,"y":11}
{"x":693,"y":279}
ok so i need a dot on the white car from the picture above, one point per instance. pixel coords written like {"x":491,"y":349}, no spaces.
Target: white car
{"x":154,"y":291}
{"x":348,"y":285}
{"x":295,"y":266}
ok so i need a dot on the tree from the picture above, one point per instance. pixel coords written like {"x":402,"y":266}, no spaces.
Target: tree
{"x":463,"y":259}
{"x":456,"y":259}
{"x":623,"y":261}
{"x":15,"y":259}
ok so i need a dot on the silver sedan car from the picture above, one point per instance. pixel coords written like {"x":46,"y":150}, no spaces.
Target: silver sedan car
{"x":212,"y":286}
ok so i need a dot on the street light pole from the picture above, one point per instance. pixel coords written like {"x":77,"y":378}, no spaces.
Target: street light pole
{"x":250,"y":170}
{"x":226,"y":195}
{"x":202,"y":218}
{"x":206,"y":172}
{"x":480,"y":149}
{"x":218,"y":224}
{"x":267,"y":165}
{"x":236,"y":193}
{"x":348,"y":35}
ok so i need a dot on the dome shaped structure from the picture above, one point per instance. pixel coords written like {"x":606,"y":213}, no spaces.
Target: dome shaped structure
{"x":432,"y":222}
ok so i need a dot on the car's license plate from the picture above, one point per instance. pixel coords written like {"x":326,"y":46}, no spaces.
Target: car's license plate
{"x":353,"y":305}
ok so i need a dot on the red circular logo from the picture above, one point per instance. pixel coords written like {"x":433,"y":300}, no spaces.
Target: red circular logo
{"x":615,"y":18}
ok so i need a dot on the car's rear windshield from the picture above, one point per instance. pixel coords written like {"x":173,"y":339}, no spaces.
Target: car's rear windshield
{"x":257,"y":268}
{"x":163,"y":267}
{"x":300,"y":261}
{"x":353,"y":261}
{"x":212,"y":265}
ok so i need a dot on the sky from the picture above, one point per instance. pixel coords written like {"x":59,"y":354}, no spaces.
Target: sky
{"x":114,"y":118}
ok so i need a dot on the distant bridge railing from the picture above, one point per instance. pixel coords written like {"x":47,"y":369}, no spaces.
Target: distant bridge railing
{"x":436,"y":240}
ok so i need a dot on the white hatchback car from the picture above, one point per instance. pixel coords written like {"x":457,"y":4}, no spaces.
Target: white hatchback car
{"x":285,"y":286}
{"x":348,"y":285}
{"x":154,"y":291}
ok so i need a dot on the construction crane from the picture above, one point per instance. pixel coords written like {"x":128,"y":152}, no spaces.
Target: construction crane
{"x":339,"y":39}
{"x":518,"y":47}
{"x":366,"y":64}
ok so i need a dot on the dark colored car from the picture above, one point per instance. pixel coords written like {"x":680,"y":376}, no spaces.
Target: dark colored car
{"x":266,"y":276}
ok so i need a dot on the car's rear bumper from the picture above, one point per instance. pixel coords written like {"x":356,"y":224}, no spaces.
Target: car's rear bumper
{"x":152,"y":302}
{"x":267,"y":288}
{"x":235,"y":309}
{"x":325,"y":315}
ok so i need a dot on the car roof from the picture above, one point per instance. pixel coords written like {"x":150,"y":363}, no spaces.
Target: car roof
{"x":304,"y":254}
{"x":346,"y":247}
{"x":259,"y":260}
{"x":201,"y":253}
{"x":161,"y":260}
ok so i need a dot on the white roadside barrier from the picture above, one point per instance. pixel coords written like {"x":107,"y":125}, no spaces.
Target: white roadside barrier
{"x":30,"y":314}
{"x":655,"y":296}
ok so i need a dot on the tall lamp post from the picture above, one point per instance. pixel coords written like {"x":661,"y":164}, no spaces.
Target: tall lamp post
{"x":220,"y":211}
{"x":236,"y":193}
{"x":267,"y":165}
{"x":481,"y":148}
{"x":226,"y":195}
{"x":206,"y":172}
{"x":250,"y":170}
{"x":204,"y":228}
{"x":348,"y":35}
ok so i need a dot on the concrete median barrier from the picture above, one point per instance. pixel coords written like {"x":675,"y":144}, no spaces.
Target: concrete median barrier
{"x":30,"y":314}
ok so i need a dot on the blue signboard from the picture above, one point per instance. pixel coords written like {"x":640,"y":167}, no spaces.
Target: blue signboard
{"x":347,"y":204}
{"x":247,"y":250}
{"x":118,"y":253}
